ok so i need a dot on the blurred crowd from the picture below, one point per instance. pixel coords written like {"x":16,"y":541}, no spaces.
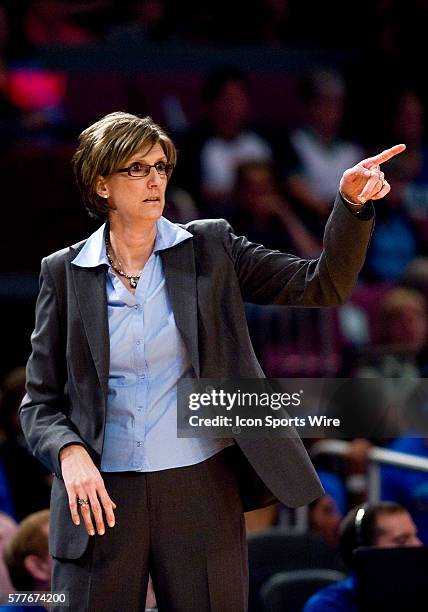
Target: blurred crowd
{"x":267,"y":22}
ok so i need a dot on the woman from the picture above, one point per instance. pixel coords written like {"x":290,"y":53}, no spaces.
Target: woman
{"x":120,"y":318}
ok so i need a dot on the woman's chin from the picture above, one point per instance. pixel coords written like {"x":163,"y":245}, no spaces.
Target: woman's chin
{"x":144,"y":212}
{"x":152,"y":209}
{"x":149,"y":211}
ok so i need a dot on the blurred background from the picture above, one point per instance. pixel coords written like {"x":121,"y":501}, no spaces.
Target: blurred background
{"x":268,"y":102}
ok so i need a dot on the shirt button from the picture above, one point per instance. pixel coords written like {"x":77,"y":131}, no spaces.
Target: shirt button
{"x":138,"y":443}
{"x":138,"y":342}
{"x":135,"y":307}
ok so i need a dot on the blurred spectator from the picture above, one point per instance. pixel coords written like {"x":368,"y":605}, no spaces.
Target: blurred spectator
{"x":403,"y":319}
{"x":382,"y":525}
{"x":10,"y":114}
{"x":406,"y":486}
{"x":31,"y":97}
{"x":13,"y":387}
{"x":27,"y":557}
{"x":261,"y":519}
{"x":326,"y":512}
{"x":8,"y":529}
{"x":401,"y":337}
{"x":31,"y":107}
{"x":323,"y":155}
{"x":4,"y":36}
{"x":272,"y":23}
{"x":214,"y":148}
{"x":415,"y":275}
{"x":324,"y":519}
{"x":199,"y":23}
{"x":180,"y":207}
{"x":146,"y":20}
{"x":397,"y":359}
{"x":213,"y":22}
{"x":397,"y":239}
{"x":51,"y":22}
{"x":409,"y":126}
{"x":37,"y":95}
{"x":24,"y":482}
{"x":263,"y":214}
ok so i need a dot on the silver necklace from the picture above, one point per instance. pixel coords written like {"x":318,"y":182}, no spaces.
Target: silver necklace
{"x":133,"y":278}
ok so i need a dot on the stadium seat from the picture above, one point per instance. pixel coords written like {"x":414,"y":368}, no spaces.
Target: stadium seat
{"x":289,"y":591}
{"x":277,"y":550}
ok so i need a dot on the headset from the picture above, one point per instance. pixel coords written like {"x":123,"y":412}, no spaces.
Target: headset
{"x":358,"y":524}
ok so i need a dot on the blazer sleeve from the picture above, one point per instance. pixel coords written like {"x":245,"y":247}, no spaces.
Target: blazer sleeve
{"x":273,"y":277}
{"x":43,"y":411}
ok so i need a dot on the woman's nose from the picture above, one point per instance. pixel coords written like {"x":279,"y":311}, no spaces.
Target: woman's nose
{"x":154,"y":178}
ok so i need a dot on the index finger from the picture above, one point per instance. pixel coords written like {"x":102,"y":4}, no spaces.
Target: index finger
{"x":381,"y":158}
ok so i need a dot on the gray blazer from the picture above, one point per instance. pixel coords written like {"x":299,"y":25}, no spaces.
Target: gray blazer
{"x":209,"y":277}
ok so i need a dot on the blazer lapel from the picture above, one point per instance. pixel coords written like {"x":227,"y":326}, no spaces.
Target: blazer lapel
{"x":90,"y":286}
{"x":180,"y":275}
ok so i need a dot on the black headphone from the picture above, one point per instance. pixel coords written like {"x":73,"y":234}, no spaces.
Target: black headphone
{"x":359,"y":520}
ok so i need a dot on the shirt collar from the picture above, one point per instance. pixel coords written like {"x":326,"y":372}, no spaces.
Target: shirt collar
{"x":93,"y":253}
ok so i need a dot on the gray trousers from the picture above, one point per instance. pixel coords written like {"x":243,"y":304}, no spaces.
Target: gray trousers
{"x":185,"y":526}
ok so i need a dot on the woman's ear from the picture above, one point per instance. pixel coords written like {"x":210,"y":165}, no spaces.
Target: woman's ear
{"x":101,"y":187}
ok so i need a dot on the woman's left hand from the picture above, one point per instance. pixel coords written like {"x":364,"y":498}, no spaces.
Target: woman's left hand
{"x":366,"y":181}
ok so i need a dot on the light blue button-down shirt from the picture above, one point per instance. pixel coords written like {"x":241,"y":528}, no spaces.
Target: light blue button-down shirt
{"x":147,"y":357}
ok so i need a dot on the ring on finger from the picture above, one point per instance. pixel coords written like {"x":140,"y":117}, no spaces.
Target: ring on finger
{"x":82,"y":502}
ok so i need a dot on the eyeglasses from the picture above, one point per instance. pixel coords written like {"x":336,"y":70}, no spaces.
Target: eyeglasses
{"x":138,"y":170}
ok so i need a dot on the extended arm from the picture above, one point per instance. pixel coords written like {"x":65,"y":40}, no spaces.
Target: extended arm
{"x":272,"y":277}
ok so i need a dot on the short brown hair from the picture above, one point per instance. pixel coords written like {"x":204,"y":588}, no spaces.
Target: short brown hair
{"x":106,"y":145}
{"x":28,"y":540}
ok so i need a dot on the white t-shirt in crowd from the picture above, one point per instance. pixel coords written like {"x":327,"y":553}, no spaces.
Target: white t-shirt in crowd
{"x":323,"y":165}
{"x":219,"y":158}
